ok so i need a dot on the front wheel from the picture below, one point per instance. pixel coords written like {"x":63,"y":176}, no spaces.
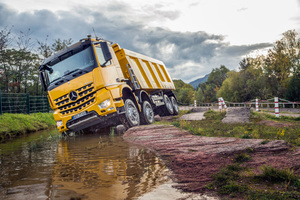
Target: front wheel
{"x":147,"y":115}
{"x":132,"y":117}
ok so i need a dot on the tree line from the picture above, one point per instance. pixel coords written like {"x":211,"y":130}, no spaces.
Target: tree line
{"x":20,"y":58}
{"x":265,"y":76}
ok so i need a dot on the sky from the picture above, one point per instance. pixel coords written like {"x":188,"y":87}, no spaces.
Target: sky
{"x":191,"y":37}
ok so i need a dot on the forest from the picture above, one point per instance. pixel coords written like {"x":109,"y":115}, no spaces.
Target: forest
{"x":276,"y":74}
{"x":265,"y":76}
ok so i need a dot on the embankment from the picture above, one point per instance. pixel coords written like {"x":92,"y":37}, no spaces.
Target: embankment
{"x":12,"y":125}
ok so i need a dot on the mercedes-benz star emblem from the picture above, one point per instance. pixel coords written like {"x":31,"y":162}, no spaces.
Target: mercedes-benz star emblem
{"x":73,"y":95}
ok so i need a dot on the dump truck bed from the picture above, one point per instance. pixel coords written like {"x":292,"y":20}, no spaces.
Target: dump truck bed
{"x":150,"y":73}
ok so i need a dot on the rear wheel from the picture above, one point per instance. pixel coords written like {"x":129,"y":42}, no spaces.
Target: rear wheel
{"x":147,"y":115}
{"x":168,"y":107}
{"x":175,"y":106}
{"x":132,"y":117}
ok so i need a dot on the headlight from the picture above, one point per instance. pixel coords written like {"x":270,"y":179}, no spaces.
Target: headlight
{"x":104,"y":104}
{"x":59,"y":123}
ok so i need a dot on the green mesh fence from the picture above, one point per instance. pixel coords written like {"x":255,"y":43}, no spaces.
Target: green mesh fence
{"x":23,"y":103}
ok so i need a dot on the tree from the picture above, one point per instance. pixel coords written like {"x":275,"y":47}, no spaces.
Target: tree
{"x":199,"y":95}
{"x":44,"y":49}
{"x":60,"y":44}
{"x":293,"y":90}
{"x":283,"y":61}
{"x":217,"y":76}
{"x":212,"y":85}
{"x":184,"y":92}
{"x":5,"y":40}
{"x":247,"y":84}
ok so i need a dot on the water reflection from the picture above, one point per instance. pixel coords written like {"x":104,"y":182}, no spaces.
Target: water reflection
{"x":25,"y":166}
{"x":94,"y":166}
{"x":103,"y":167}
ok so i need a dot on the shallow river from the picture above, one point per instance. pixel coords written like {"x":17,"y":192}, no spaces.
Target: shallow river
{"x":93,"y":166}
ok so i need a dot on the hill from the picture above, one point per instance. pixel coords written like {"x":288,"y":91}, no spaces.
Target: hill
{"x":196,"y":82}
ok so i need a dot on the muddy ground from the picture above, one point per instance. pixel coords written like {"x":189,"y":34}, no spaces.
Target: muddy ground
{"x":194,"y":159}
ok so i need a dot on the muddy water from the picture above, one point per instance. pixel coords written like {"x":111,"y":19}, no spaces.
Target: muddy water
{"x":93,"y":166}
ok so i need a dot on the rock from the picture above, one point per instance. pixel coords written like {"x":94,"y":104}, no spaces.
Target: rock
{"x":193,"y":159}
{"x":200,"y":109}
{"x":237,"y":115}
{"x":193,"y":116}
{"x":120,"y":129}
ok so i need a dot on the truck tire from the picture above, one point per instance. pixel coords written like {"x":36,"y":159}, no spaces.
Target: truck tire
{"x":131,"y":117}
{"x":147,"y":114}
{"x":175,"y":106}
{"x":168,"y":107}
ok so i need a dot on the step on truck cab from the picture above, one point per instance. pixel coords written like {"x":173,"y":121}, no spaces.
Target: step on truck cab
{"x":95,"y":83}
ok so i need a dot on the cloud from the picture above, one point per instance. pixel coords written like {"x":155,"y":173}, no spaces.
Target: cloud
{"x":242,"y":9}
{"x":187,"y":55}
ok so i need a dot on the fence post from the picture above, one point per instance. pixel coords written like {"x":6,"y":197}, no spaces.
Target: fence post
{"x":48,"y":105}
{"x":276,"y":107}
{"x":223,"y":103}
{"x":28,"y":103}
{"x":220,"y":104}
{"x":256,"y":104}
{"x":0,"y":102}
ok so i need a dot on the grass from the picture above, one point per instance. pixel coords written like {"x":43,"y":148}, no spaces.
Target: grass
{"x":12,"y":125}
{"x":274,"y":175}
{"x":268,"y":116}
{"x":237,"y":181}
{"x":213,"y":126}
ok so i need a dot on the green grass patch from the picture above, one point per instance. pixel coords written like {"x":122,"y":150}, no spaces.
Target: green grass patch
{"x":274,"y":175}
{"x":239,"y":182}
{"x":16,"y":124}
{"x":240,"y":158}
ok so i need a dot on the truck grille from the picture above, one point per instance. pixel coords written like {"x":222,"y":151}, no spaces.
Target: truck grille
{"x":86,"y":96}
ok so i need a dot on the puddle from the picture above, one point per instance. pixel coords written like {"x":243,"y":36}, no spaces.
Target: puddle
{"x":94,"y":166}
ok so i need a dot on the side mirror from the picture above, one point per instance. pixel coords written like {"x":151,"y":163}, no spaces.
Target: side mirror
{"x":42,"y":79}
{"x":106,"y":52}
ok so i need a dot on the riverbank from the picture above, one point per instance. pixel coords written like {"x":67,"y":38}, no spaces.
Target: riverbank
{"x":12,"y":125}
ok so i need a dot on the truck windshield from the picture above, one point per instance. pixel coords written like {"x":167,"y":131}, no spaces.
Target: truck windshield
{"x":80,"y":60}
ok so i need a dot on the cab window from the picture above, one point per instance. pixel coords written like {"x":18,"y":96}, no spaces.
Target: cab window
{"x":101,"y":56}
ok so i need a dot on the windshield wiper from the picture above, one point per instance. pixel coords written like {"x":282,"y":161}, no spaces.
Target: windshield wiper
{"x":75,"y":70}
{"x":56,"y":80}
{"x":70,"y":72}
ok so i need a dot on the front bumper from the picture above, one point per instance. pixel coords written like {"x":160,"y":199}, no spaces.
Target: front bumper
{"x":92,"y":119}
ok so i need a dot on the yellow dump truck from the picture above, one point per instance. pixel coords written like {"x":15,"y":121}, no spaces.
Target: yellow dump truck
{"x":95,"y":83}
